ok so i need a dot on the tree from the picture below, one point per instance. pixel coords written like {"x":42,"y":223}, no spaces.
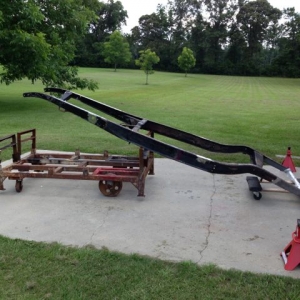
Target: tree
{"x":287,"y":63}
{"x":220,"y":14}
{"x":198,"y":42}
{"x":146,"y":61}
{"x":116,"y":50}
{"x":235,"y":52}
{"x":153,"y":33}
{"x":37,"y":41}
{"x":254,"y":19}
{"x":182,"y":14}
{"x":110,"y":17}
{"x":152,"y":30}
{"x":186,"y":60}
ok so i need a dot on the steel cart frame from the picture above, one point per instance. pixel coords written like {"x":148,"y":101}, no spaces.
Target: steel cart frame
{"x":110,"y":170}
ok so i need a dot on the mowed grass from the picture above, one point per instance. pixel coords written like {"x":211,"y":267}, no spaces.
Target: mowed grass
{"x":30,"y":270}
{"x":262,"y":113}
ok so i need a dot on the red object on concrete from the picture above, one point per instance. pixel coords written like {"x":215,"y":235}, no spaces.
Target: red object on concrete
{"x":288,"y":162}
{"x":291,"y":253}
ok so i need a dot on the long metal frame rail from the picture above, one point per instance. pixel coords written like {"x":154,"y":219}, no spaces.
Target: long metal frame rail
{"x":129,"y":131}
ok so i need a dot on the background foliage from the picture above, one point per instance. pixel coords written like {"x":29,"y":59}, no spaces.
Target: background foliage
{"x":236,"y":37}
{"x":38,"y":40}
{"x":47,"y":39}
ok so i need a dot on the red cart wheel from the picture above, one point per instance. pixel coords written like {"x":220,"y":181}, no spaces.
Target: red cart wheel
{"x":110,"y":188}
{"x":19,"y":186}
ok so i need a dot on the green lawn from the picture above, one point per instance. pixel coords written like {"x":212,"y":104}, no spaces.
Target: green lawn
{"x":262,"y":113}
{"x":30,"y":270}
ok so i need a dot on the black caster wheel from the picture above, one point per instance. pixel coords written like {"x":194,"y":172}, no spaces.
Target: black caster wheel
{"x":19,"y":186}
{"x":257,"y":195}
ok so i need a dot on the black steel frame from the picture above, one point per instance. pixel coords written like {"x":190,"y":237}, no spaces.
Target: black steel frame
{"x":133,"y":124}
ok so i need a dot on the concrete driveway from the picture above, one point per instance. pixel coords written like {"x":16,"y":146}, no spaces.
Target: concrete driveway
{"x":187,"y":214}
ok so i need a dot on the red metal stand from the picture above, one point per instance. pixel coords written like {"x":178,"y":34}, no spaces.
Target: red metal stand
{"x":288,"y":162}
{"x":291,"y":253}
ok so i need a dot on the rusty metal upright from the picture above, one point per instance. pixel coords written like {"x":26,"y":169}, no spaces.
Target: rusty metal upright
{"x":12,"y":144}
{"x":110,"y":170}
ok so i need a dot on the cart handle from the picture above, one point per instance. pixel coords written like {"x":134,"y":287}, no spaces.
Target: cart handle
{"x":31,"y":138}
{"x":12,"y":144}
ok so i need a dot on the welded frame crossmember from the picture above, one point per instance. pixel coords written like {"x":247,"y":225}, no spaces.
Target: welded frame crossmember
{"x":109,"y":170}
{"x":132,"y":125}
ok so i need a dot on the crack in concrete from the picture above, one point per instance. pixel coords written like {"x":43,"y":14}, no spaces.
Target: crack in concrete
{"x":101,"y":225}
{"x":208,"y":221}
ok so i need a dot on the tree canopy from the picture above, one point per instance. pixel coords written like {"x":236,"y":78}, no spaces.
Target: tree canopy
{"x":232,"y":37}
{"x":116,"y":50}
{"x":46,"y":39}
{"x":146,"y":61}
{"x":186,"y":60}
{"x":110,"y":17}
{"x":38,"y":40}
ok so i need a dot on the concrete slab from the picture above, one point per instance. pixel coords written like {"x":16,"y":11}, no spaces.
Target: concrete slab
{"x":187,"y":214}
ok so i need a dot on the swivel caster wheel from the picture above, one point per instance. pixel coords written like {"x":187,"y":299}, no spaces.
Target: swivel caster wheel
{"x":257,"y":195}
{"x":19,"y":186}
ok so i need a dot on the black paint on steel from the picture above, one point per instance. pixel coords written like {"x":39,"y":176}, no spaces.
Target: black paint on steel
{"x":167,"y":150}
{"x":255,"y":157}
